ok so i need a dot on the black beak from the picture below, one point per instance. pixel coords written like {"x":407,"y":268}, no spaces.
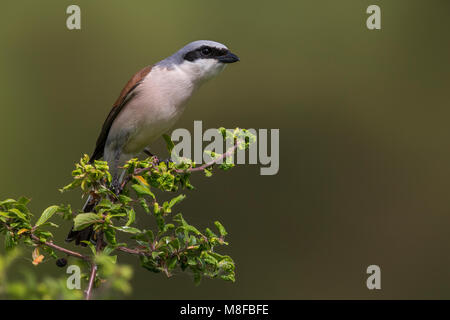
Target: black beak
{"x":228,"y":58}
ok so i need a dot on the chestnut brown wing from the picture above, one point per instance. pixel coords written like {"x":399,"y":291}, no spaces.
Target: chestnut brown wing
{"x":126,"y":95}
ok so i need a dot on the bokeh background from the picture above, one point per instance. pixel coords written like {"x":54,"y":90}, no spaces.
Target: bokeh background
{"x":364,"y":137}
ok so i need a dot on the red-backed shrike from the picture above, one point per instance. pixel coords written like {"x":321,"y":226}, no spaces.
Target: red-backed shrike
{"x":150,"y":104}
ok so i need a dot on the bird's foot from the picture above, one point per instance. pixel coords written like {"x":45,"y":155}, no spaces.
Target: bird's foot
{"x":156,"y":159}
{"x":116,"y":186}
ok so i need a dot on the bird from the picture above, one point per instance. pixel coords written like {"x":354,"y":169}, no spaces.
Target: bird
{"x":149,"y":105}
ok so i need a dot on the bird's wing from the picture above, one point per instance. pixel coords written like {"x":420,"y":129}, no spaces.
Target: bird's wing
{"x":126,"y":95}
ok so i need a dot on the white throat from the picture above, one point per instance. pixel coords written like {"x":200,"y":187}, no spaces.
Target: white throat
{"x":201,"y":70}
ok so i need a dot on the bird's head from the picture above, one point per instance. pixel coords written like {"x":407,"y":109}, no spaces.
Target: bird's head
{"x":201,"y":60}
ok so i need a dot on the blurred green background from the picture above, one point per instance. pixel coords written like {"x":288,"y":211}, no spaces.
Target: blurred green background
{"x":364,"y":138}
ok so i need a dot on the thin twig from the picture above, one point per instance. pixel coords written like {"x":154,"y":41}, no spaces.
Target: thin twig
{"x":61,"y":249}
{"x":94,"y":267}
{"x":140,"y":171}
{"x":91,"y":281}
{"x":211,"y":163}
{"x":131,"y":251}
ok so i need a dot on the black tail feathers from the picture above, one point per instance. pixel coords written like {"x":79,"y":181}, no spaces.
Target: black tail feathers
{"x":82,"y":235}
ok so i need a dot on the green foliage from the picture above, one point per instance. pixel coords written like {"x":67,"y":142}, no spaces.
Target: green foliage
{"x":29,"y":286}
{"x":170,"y":244}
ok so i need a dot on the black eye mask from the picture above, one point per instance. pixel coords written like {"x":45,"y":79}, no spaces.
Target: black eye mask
{"x":204,"y":53}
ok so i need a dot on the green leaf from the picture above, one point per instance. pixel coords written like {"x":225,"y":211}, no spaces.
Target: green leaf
{"x":9,"y":241}
{"x":169,"y":143}
{"x":84,"y":220}
{"x":223,"y":131}
{"x":144,"y":236}
{"x":142,"y":190}
{"x":109,"y":249}
{"x":228,"y":277}
{"x":47,"y":214}
{"x":125,"y":199}
{"x":45,"y":234}
{"x":128,"y":229}
{"x":226,"y":166}
{"x":131,"y":214}
{"x":176,"y":200}
{"x":192,"y":229}
{"x":209,"y":233}
{"x":5,"y":214}
{"x":172,"y":263}
{"x":24,"y":201}
{"x":91,"y":246}
{"x":19,"y":214}
{"x":208,"y":172}
{"x":7,"y":201}
{"x":221,"y":229}
{"x":197,"y":278}
{"x":110,"y":235}
{"x":48,"y":223}
{"x":144,"y":205}
{"x":175,"y":243}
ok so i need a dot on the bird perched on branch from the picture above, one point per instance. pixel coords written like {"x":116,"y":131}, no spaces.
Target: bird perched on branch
{"x":150,"y":104}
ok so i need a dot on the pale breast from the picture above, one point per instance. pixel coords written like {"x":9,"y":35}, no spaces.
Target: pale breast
{"x":158,"y":103}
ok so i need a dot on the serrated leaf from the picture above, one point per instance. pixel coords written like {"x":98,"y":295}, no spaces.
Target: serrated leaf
{"x":47,"y":214}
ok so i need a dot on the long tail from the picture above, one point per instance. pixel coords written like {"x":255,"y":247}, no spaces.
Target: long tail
{"x":85,"y":234}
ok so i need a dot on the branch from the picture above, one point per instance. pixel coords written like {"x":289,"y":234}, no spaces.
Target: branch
{"x":136,"y":172}
{"x":61,"y":249}
{"x":94,"y":267}
{"x":140,"y":171}
{"x":91,"y":281}
{"x":211,"y":163}
{"x":131,"y":251}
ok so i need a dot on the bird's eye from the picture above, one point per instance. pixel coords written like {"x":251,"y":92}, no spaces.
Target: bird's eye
{"x":206,"y":51}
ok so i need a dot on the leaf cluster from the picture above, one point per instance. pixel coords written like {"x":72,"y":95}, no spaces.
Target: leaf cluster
{"x":170,"y":244}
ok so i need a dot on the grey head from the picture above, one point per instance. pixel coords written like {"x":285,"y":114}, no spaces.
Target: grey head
{"x":197,"y":50}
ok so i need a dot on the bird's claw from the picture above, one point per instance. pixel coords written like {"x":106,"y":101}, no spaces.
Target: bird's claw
{"x":116,"y":187}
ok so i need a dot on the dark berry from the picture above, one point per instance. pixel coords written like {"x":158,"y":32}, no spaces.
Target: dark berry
{"x":61,"y":262}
